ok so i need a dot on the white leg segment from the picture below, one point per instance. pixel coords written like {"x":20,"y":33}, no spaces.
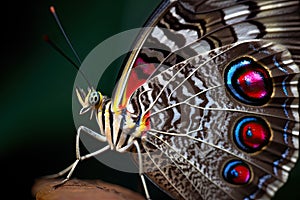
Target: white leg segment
{"x":71,"y":168}
{"x":90,"y":132}
{"x":141,"y":169}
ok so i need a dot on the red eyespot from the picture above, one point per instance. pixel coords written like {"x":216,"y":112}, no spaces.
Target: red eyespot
{"x":251,"y":134}
{"x":248,"y":81}
{"x":237,"y":172}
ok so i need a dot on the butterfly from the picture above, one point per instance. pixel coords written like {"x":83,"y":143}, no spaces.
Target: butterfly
{"x":208,"y":99}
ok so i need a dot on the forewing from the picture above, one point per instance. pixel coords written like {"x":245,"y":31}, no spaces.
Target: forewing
{"x":185,"y":28}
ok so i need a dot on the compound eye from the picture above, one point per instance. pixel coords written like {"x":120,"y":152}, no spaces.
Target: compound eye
{"x":94,"y":98}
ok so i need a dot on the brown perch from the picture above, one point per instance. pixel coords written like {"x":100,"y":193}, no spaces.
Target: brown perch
{"x":76,"y":189}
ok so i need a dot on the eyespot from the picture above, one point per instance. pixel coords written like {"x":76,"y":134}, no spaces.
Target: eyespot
{"x":236,"y":172}
{"x":251,"y":134}
{"x":248,"y":81}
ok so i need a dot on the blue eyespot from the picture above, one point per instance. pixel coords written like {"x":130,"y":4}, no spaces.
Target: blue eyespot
{"x":248,"y":81}
{"x":251,"y":134}
{"x":236,"y":172}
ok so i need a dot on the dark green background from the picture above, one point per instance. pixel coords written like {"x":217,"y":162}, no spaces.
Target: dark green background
{"x":37,"y":132}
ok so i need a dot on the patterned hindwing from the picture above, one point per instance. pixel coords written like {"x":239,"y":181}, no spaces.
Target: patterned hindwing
{"x":184,"y":28}
{"x":223,"y":124}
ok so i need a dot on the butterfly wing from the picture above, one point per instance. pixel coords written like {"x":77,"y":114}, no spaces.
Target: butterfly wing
{"x":202,"y":109}
{"x":184,"y":28}
{"x":205,"y":141}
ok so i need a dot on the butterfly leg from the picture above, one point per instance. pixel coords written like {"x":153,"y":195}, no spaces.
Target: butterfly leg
{"x":72,"y":167}
{"x":141,"y":169}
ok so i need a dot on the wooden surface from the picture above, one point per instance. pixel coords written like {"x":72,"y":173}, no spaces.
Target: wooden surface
{"x":76,"y":189}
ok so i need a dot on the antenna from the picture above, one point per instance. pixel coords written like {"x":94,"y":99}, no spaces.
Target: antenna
{"x":52,"y":44}
{"x":52,"y":10}
{"x":58,"y":49}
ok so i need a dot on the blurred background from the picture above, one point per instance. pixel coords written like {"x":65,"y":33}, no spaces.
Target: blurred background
{"x":37,"y":135}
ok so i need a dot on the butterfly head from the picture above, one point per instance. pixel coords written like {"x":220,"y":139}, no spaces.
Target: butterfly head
{"x":91,"y":101}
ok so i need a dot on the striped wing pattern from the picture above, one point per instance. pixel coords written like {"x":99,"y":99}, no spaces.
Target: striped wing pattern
{"x":181,"y":29}
{"x":211,"y":135}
